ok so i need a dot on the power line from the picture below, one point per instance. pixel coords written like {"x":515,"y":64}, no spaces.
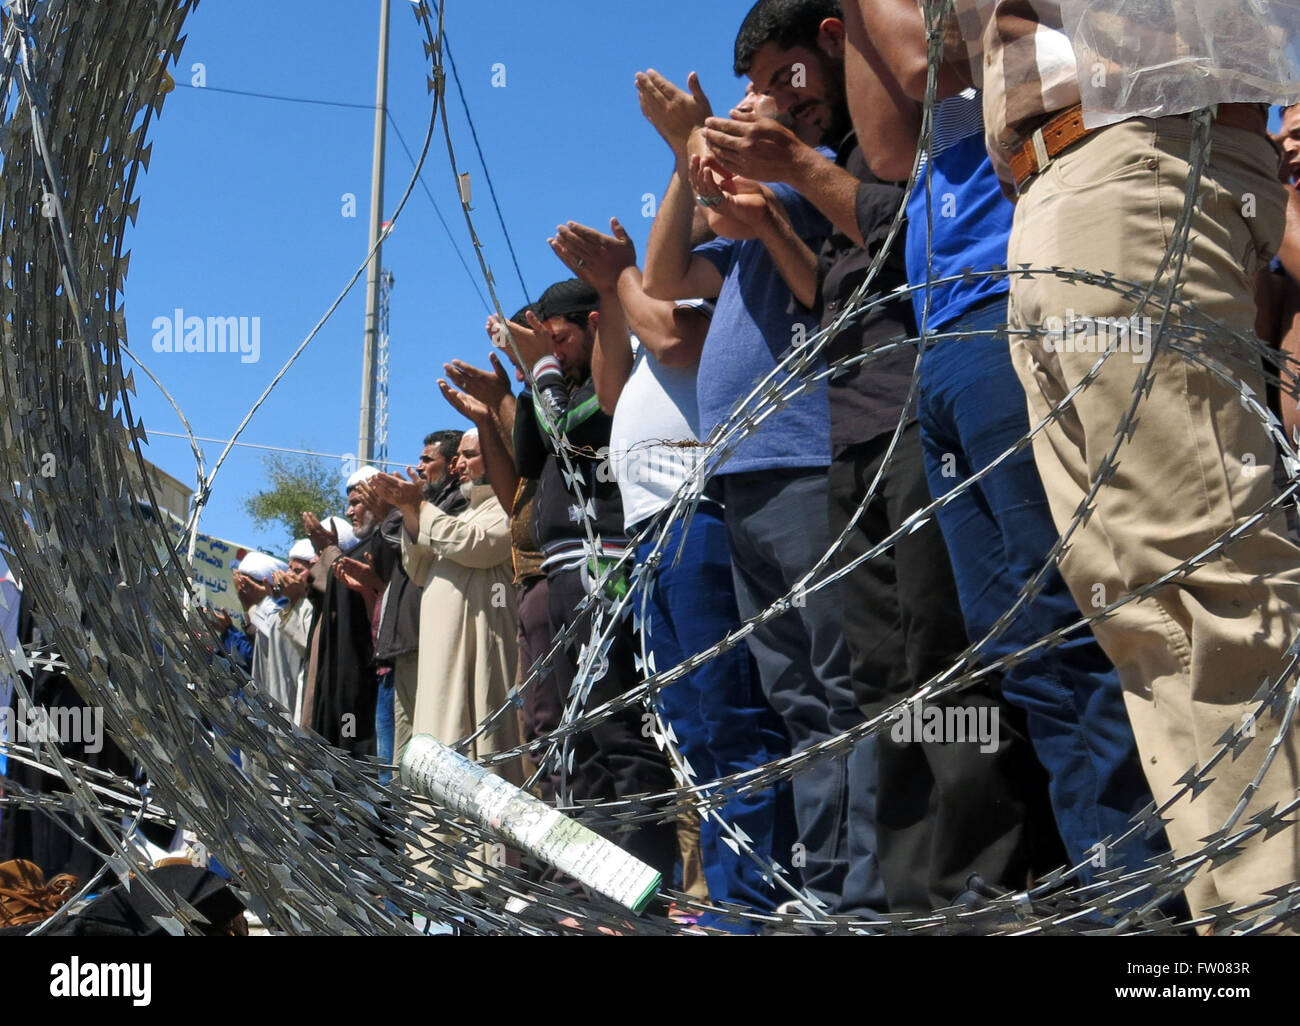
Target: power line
{"x":274,"y":96}
{"x":447,"y":228}
{"x":446,"y":44}
{"x":277,"y":448}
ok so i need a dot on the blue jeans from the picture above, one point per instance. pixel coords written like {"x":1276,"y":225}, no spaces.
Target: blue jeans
{"x":384,"y":725}
{"x":777,"y":528}
{"x":722,"y":721}
{"x":999,"y":531}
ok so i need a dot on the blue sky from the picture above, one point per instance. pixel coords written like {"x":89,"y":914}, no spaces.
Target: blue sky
{"x":241,"y":211}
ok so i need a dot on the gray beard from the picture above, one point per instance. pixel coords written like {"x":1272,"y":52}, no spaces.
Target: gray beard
{"x":468,"y":487}
{"x":432,"y":491}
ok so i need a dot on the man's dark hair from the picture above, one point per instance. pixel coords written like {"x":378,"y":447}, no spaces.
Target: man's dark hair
{"x":582,"y":320}
{"x":572,"y":299}
{"x":446,"y":441}
{"x":787,"y":23}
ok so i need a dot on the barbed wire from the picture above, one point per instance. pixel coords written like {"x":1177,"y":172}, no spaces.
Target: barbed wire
{"x":313,"y":843}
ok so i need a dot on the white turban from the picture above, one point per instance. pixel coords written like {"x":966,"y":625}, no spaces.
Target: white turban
{"x":260,"y":566}
{"x":302,"y":549}
{"x":364,"y":474}
{"x":348,"y":539}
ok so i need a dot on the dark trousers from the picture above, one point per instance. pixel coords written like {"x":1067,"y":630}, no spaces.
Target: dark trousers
{"x":777,"y":530}
{"x":616,"y":758}
{"x":543,"y":707}
{"x":945,"y":809}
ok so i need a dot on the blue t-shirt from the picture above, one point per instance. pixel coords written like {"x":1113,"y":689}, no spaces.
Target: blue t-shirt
{"x":971,"y":217}
{"x":754,"y":325}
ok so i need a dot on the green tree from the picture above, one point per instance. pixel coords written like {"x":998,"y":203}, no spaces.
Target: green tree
{"x":298,"y":484}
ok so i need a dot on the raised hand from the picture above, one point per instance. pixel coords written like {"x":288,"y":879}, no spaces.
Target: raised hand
{"x":357,"y":575}
{"x":542,"y":342}
{"x":488,"y":387}
{"x":674,"y":112}
{"x":596,"y":258}
{"x":250,"y":590}
{"x":532,"y":339}
{"x":402,"y":494}
{"x":369,"y":500}
{"x":737,"y":207}
{"x":466,"y":405}
{"x":289,"y":584}
{"x":753,"y":146}
{"x":321,"y":537}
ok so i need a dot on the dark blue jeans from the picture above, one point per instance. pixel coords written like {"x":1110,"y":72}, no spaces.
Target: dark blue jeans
{"x":722,"y":721}
{"x":972,"y":409}
{"x":777,"y":528}
{"x":384,"y":725}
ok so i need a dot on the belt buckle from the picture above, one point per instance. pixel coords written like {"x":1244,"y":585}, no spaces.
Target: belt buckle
{"x":1041,"y":156}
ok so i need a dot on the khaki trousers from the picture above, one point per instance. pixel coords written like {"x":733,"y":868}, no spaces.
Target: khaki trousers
{"x":406,"y":675}
{"x":1197,"y":463}
{"x":688,"y":844}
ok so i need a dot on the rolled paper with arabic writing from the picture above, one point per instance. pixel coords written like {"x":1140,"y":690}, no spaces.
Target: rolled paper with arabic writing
{"x":475,"y":792}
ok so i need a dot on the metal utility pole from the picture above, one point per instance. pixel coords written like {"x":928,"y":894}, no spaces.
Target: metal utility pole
{"x":386,"y":281}
{"x":365,"y":446}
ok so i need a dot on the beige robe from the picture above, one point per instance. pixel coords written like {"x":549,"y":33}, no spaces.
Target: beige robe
{"x":468,"y":647}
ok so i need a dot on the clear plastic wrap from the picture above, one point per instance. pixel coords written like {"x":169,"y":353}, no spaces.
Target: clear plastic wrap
{"x":475,"y":792}
{"x":1156,"y":57}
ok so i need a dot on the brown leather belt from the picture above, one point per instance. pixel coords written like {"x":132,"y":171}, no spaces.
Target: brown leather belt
{"x":1066,"y":128}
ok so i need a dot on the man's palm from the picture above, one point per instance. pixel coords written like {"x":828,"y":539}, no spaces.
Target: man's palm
{"x":674,"y":112}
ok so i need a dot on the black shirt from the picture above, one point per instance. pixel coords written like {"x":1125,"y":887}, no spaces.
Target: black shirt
{"x":866,"y":400}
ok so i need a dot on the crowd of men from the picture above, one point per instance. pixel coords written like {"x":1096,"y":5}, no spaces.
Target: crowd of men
{"x":444,"y":588}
